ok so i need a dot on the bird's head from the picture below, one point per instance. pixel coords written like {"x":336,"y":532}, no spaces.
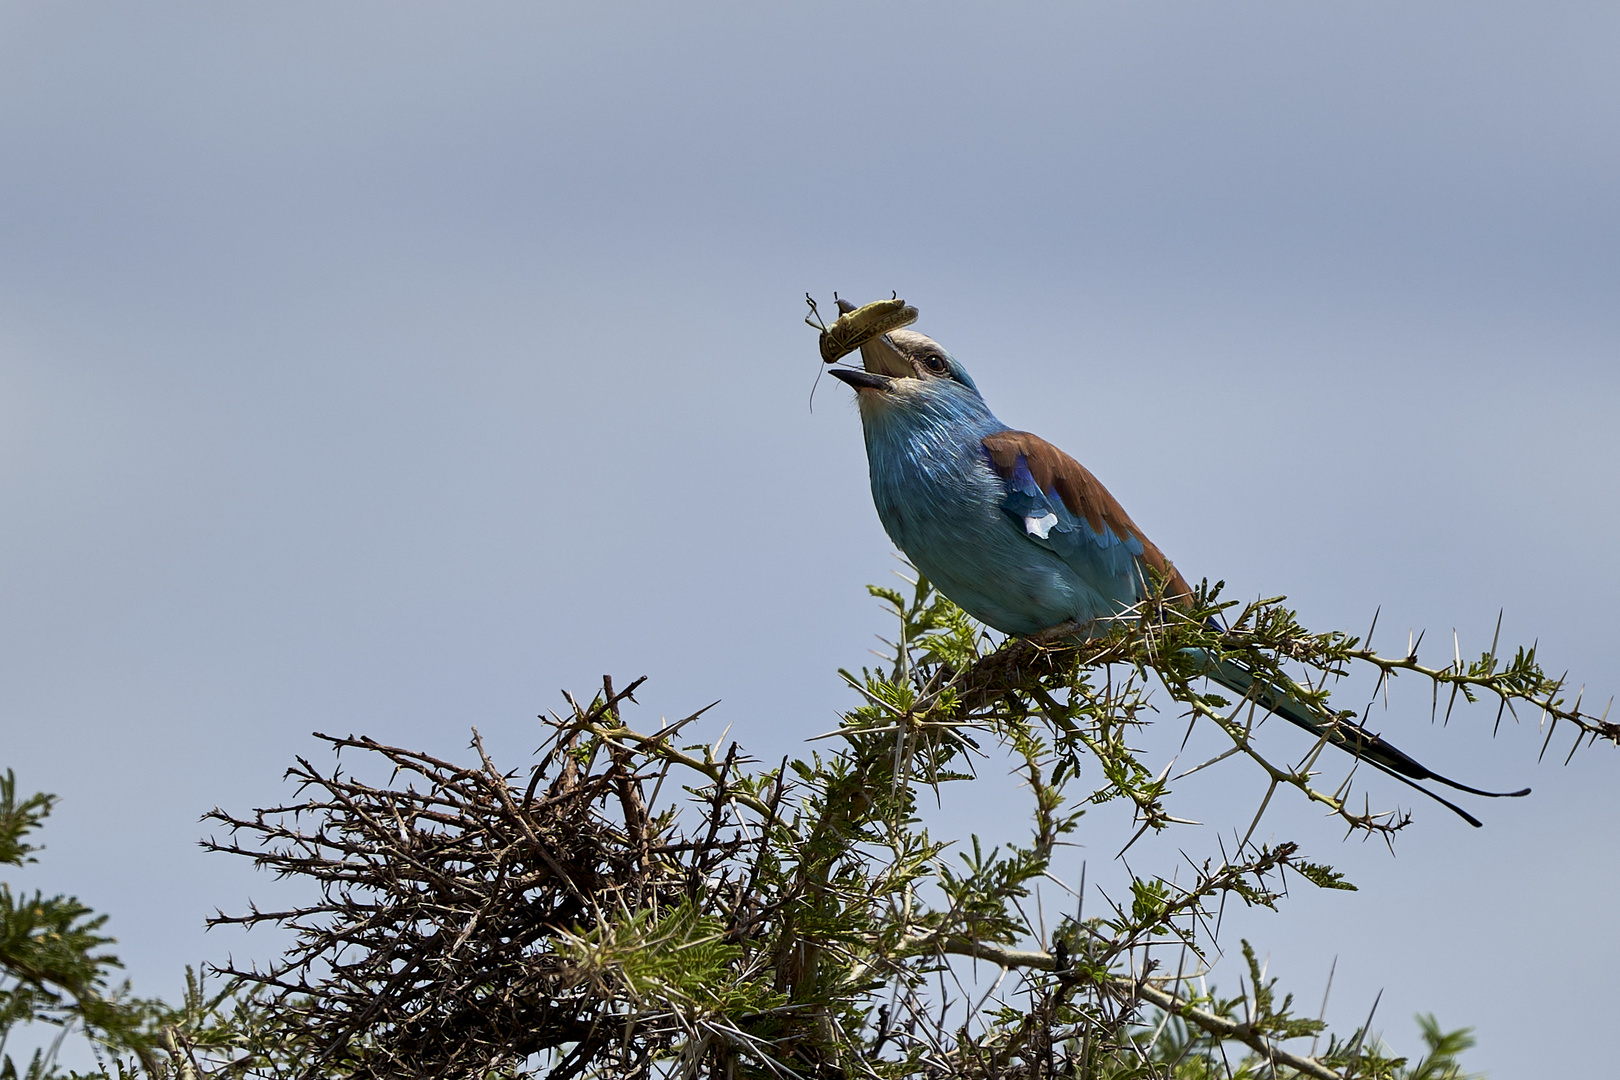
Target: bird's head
{"x":906,"y":371}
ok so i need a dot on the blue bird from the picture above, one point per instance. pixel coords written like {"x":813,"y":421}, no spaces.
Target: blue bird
{"x":1019,"y":534}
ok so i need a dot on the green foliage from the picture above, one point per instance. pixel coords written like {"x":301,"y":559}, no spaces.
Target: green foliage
{"x":18,"y":819}
{"x":1170,"y":1047}
{"x":54,"y":969}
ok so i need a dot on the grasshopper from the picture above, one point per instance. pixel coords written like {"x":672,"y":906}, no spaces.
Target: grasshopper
{"x":857,"y":325}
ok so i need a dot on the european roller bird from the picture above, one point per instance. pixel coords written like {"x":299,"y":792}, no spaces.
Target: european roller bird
{"x":1016,"y":532}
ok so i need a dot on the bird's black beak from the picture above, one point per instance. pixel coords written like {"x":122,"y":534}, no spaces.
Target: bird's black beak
{"x":880,"y":357}
{"x":863,"y":380}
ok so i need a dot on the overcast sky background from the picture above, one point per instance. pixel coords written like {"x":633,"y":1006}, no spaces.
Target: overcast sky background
{"x":385,"y":368}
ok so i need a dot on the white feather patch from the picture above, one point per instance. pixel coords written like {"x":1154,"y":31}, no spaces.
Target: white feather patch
{"x":1040,"y":526}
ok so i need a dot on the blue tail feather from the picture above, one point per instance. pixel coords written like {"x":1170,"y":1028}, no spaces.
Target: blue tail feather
{"x":1345,"y":734}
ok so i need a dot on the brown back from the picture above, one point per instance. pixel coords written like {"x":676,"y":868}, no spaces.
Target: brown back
{"x":1080,"y":491}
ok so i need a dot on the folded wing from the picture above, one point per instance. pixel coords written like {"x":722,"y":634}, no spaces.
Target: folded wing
{"x":1058,"y":504}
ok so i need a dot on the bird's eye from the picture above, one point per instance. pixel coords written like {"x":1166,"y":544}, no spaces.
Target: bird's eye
{"x":935,"y":363}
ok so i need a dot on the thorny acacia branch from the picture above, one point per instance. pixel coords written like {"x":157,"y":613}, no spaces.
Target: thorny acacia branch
{"x":635,"y":905}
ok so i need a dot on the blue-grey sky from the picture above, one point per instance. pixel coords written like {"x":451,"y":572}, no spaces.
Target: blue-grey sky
{"x":387,"y":367}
